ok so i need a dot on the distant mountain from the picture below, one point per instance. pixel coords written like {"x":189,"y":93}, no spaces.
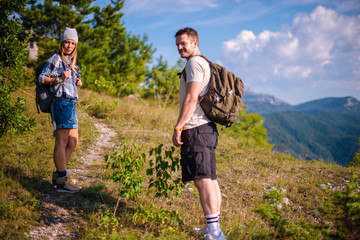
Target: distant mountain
{"x":345,"y":105}
{"x":331,"y":136}
{"x":327,"y":128}
{"x":263,"y":103}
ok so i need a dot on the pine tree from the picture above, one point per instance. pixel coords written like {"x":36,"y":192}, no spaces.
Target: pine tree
{"x":110,"y":58}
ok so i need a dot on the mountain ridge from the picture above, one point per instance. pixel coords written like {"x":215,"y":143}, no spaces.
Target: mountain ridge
{"x":325,"y":128}
{"x":262,"y":103}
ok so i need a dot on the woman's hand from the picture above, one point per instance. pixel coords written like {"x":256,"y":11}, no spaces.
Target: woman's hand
{"x":64,"y":76}
{"x":78,"y":82}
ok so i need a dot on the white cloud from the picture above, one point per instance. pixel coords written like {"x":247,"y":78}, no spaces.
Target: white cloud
{"x":322,"y":46}
{"x":154,"y":7}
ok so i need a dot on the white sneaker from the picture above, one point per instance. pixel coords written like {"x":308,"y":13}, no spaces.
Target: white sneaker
{"x":211,"y":237}
{"x":200,"y":231}
{"x":63,"y":185}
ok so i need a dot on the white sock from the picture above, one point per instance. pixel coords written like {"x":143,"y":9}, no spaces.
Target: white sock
{"x":213,"y":225}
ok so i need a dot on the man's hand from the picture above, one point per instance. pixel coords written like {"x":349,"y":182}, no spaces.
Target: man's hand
{"x":177,"y":139}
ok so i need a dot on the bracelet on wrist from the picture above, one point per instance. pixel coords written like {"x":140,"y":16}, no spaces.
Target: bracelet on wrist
{"x":55,"y":81}
{"x":176,"y":128}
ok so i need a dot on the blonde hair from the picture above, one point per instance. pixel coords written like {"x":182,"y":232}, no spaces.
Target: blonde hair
{"x":73,"y":56}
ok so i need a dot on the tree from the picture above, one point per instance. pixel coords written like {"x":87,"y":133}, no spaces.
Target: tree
{"x":163,"y":82}
{"x":356,"y":160}
{"x":110,"y":58}
{"x":13,"y":42}
{"x":249,"y":129}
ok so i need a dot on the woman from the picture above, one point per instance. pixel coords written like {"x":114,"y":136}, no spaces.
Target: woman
{"x":62,"y":73}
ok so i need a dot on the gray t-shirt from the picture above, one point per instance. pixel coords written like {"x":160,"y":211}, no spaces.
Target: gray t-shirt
{"x":197,"y":70}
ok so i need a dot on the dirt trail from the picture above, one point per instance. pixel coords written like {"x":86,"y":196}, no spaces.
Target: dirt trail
{"x":58,"y":211}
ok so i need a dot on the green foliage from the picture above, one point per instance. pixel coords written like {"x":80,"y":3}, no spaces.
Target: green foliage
{"x":101,"y":109}
{"x":13,"y":39}
{"x":157,"y":219}
{"x":13,"y":42}
{"x":249,"y":130}
{"x":163,"y":168}
{"x":273,"y":211}
{"x":111,"y":59}
{"x":125,"y":166}
{"x":100,"y":225}
{"x":356,"y":160}
{"x":12,"y":118}
{"x":349,"y":202}
{"x":164,"y":81}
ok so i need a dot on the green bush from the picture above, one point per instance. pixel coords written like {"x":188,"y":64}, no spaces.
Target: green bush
{"x":348,"y":221}
{"x":249,"y":130}
{"x":13,"y":40}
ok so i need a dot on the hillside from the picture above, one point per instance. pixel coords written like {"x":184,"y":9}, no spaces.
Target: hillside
{"x":321,"y":129}
{"x":266,"y":195}
{"x":329,"y":136}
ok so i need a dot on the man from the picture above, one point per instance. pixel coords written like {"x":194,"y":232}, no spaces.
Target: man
{"x":196,"y":134}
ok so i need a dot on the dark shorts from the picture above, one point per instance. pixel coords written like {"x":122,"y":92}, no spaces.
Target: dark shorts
{"x":64,"y":114}
{"x":198,"y":152}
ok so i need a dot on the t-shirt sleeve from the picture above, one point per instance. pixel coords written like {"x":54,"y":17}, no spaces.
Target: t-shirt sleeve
{"x":194,"y":71}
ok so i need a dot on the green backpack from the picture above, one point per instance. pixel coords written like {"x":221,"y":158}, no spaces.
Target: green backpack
{"x":222,"y":103}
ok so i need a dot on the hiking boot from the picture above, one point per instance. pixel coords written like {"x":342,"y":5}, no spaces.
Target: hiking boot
{"x":220,"y":237}
{"x":63,"y":185}
{"x":200,"y":231}
{"x":54,"y":177}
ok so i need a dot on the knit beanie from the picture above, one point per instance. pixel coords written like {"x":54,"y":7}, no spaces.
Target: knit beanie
{"x":69,"y":33}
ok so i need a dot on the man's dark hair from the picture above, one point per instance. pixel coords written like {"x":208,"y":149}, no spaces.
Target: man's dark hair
{"x":192,"y":34}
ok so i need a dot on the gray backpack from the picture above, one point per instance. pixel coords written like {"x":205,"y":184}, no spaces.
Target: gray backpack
{"x":44,"y":95}
{"x":222,"y":103}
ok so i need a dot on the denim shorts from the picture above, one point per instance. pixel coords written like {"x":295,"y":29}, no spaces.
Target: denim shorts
{"x":63,"y":114}
{"x":198,"y":152}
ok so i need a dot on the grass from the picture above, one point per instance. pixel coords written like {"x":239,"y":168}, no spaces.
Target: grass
{"x":247,"y":174}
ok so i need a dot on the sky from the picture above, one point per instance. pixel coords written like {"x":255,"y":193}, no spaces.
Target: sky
{"x":296,"y":50}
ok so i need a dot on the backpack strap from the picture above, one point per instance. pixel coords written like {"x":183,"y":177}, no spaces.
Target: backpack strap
{"x":205,"y":58}
{"x":183,"y":72}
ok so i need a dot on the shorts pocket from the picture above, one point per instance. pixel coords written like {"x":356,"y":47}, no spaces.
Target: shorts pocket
{"x":196,"y":164}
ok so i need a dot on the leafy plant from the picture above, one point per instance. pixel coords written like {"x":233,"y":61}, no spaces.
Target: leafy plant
{"x":349,"y":202}
{"x":164,"y":167}
{"x":125,"y":166}
{"x":157,"y":219}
